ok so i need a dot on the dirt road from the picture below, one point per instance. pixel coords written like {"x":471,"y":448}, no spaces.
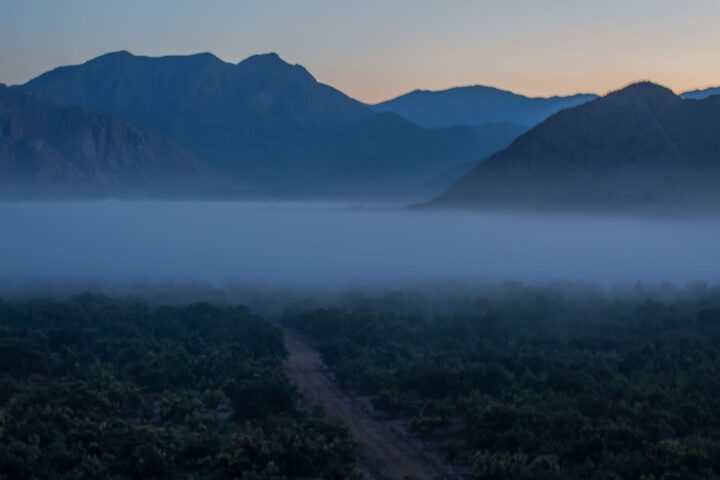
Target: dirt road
{"x":384,"y":452}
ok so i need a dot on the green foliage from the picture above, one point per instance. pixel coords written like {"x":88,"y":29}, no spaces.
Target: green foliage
{"x":296,"y":447}
{"x":544,"y":385}
{"x":97,"y":388}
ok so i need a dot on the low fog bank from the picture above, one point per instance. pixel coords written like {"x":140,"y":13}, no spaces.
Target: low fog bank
{"x":424,"y":298}
{"x":302,"y":248}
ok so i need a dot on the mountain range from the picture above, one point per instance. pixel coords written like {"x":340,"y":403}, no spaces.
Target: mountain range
{"x":195,"y":125}
{"x":46,"y":149}
{"x":476,"y":106}
{"x":639,"y":148}
{"x":270,"y":124}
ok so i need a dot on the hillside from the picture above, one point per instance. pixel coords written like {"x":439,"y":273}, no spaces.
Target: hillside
{"x":641,"y":147}
{"x":46,"y":149}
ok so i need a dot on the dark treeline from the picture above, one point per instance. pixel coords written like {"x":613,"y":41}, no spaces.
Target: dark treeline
{"x":532,"y":383}
{"x":509,"y":381}
{"x":100,"y":388}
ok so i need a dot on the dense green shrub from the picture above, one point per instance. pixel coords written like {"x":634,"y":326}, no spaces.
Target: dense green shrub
{"x":545,"y":385}
{"x":98,"y":388}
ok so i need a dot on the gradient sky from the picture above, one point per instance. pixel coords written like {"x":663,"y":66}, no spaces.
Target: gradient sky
{"x":377,"y":49}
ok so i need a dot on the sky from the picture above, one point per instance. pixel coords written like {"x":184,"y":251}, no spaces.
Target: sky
{"x":377,"y":49}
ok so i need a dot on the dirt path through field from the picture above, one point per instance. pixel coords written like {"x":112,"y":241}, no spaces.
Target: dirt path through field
{"x":384,"y":452}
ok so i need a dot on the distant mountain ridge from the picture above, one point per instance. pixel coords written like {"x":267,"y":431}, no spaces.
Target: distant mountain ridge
{"x":212,"y":106}
{"x":477,"y":105}
{"x":642,"y":147}
{"x":271,"y":129}
{"x":268,"y":121}
{"x":701,"y":94}
{"x":46,"y":149}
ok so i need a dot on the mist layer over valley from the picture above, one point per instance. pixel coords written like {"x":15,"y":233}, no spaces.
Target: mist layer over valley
{"x":320,"y":246}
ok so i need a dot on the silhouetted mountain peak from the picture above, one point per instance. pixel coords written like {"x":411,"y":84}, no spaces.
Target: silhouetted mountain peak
{"x":476,"y":105}
{"x":200,"y":58}
{"x":481,"y":89}
{"x":648,"y":87}
{"x":640,"y":93}
{"x":461,"y":91}
{"x":124,"y":56}
{"x":113,"y":58}
{"x":270,"y":58}
{"x":271,"y":63}
{"x":120,"y":54}
{"x":122,"y":61}
{"x":466,"y":91}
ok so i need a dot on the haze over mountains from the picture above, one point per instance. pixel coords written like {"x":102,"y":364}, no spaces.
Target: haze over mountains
{"x":47,"y":149}
{"x":640,"y":148}
{"x":270,"y":124}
